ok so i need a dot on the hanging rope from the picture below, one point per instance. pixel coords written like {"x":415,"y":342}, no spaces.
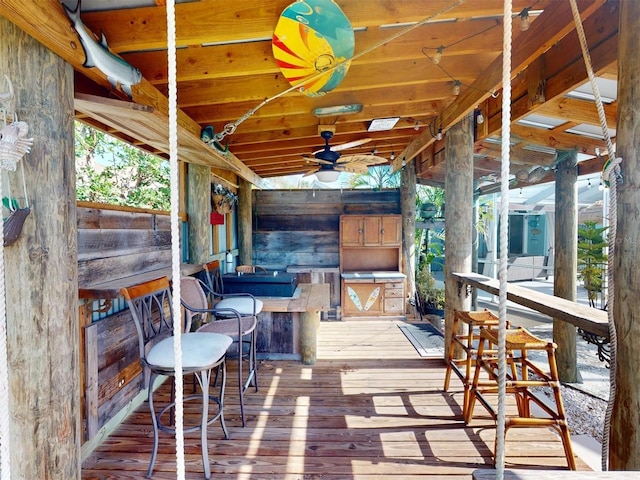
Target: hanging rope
{"x":5,"y":466}
{"x":504,"y":241}
{"x":612,"y":175}
{"x":230,"y":128}
{"x":5,"y":450}
{"x":175,"y":236}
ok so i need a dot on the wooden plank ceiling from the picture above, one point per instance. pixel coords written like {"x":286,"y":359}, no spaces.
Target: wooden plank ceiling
{"x":226,"y":68}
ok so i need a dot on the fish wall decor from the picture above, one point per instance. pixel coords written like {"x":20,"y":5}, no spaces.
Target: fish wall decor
{"x":117,"y":71}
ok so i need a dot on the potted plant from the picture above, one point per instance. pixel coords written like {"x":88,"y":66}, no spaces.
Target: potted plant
{"x":429,"y":297}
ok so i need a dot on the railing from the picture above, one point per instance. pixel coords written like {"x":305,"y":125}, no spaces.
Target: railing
{"x":592,"y":323}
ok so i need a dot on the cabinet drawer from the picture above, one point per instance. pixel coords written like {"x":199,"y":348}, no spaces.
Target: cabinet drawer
{"x":393,"y":292}
{"x":389,"y":285}
{"x":394,"y":305}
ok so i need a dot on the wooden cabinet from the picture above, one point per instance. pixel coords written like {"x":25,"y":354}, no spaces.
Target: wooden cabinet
{"x":351,"y":231}
{"x":373,"y":297}
{"x":370,"y":230}
{"x":371,"y":265}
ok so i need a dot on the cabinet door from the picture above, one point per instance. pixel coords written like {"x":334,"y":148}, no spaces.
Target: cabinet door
{"x":351,"y":230}
{"x":391,"y":231}
{"x":372,"y":230}
{"x":362,"y":298}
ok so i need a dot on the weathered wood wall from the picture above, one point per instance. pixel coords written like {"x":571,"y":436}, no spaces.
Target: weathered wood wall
{"x":115,"y":243}
{"x":301,"y":227}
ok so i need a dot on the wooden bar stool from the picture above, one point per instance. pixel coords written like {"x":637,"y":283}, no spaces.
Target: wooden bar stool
{"x":523,"y":379}
{"x":467,"y":340}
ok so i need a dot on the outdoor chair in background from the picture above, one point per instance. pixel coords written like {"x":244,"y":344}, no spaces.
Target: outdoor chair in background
{"x":248,"y":307}
{"x":251,"y":269}
{"x":150,"y":305}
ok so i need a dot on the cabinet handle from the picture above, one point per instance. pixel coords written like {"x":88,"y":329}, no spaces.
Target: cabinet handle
{"x":382,"y":231}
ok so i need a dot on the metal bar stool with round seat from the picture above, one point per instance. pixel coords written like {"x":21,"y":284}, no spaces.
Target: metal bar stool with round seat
{"x":248,"y":307}
{"x":465,"y":335}
{"x":524,"y":379}
{"x":150,"y":306}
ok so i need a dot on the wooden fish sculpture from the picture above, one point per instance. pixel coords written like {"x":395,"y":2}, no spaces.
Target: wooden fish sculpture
{"x":98,"y":55}
{"x":14,"y":144}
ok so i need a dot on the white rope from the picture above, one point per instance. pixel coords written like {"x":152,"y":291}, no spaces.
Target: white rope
{"x":504,"y":241}
{"x":5,"y":452}
{"x":175,"y":236}
{"x":5,"y":421}
{"x":613,"y":168}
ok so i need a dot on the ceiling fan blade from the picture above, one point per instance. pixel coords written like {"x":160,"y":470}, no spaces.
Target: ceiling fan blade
{"x":346,"y":145}
{"x":355,"y":143}
{"x":317,"y":160}
{"x":363,"y":159}
{"x":311,"y":172}
{"x":352,"y":168}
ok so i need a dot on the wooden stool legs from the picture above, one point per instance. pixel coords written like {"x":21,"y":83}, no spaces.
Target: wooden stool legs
{"x":465,"y":335}
{"x":520,"y":383}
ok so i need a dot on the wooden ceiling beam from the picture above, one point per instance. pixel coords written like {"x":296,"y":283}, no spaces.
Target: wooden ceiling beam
{"x":210,"y":21}
{"x":47,"y":23}
{"x":423,"y":100}
{"x":359,"y":80}
{"x":552,"y":25}
{"x":256,"y":58}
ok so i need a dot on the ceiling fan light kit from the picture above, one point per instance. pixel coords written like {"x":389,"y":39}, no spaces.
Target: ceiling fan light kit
{"x":327,"y":176}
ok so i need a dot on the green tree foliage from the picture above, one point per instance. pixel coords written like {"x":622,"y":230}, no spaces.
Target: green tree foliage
{"x":110,"y":171}
{"x":591,"y":258}
{"x":377,"y":178}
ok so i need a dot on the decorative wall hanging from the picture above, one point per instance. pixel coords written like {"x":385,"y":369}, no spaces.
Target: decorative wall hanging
{"x":311,"y":37}
{"x":222,"y":199}
{"x":14,"y":144}
{"x":98,"y":55}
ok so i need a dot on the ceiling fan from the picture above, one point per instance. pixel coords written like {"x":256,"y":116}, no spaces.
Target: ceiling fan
{"x":331,"y":162}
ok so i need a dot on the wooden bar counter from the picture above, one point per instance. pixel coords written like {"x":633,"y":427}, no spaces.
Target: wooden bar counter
{"x":287,"y":326}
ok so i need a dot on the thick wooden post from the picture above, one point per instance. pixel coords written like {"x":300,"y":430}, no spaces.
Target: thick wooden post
{"x":458,"y":219}
{"x":624,"y":444}
{"x":309,"y":324}
{"x":566,"y":262}
{"x":41,"y":269}
{"x":408,"y":206}
{"x":245,"y":230}
{"x":198,"y":209}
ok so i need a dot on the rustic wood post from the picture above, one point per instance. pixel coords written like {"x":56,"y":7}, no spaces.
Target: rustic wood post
{"x":245,"y":229}
{"x":624,"y":444}
{"x":41,"y":268}
{"x":309,"y":324}
{"x":458,"y":219}
{"x":408,"y":208}
{"x":565,"y":263}
{"x":198,"y":209}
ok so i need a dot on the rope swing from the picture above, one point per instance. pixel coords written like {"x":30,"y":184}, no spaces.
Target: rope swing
{"x":504,"y":240}
{"x":611,"y":175}
{"x":175,"y":237}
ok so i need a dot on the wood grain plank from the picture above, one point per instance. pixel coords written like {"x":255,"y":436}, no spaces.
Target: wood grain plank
{"x":348,"y":416}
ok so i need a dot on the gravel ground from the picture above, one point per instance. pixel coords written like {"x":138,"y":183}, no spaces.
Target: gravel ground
{"x":585,"y":403}
{"x":585,"y":413}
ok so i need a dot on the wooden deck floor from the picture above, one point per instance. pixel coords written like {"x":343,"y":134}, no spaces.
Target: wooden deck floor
{"x":371,"y":408}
